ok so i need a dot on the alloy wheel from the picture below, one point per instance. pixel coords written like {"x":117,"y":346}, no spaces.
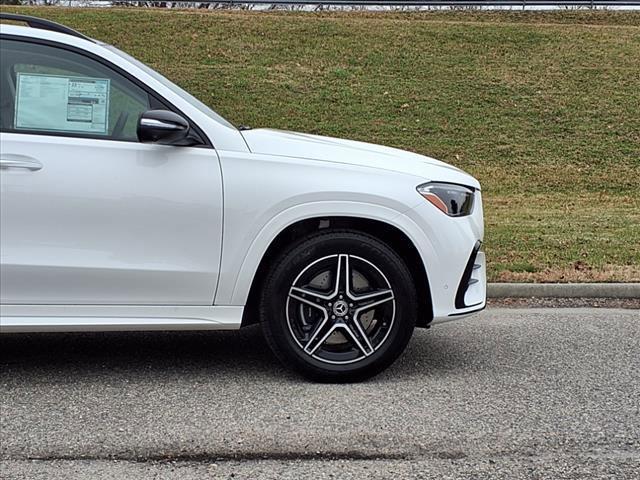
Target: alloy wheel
{"x":340,"y":309}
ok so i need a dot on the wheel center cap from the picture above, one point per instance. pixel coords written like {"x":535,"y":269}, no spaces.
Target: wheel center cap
{"x":340,"y":308}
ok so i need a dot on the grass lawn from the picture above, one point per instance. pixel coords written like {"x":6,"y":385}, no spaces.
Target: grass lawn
{"x":543,"y":108}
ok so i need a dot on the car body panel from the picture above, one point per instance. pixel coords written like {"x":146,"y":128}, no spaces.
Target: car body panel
{"x":89,"y":318}
{"x":350,"y":152}
{"x":129,"y":224}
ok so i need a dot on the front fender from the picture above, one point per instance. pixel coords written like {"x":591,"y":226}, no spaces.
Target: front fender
{"x":235,"y":291}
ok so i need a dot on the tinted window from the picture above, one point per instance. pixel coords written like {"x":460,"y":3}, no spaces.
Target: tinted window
{"x":45,"y":89}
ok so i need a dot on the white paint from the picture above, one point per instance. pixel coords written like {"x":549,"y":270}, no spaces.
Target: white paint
{"x":76,"y":318}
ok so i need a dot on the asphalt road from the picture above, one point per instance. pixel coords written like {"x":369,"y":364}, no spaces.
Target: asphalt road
{"x":510,"y":393}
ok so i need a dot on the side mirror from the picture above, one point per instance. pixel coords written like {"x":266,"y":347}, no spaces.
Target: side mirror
{"x":163,"y":127}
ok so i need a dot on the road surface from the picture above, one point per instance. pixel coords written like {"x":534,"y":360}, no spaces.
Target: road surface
{"x":510,"y":393}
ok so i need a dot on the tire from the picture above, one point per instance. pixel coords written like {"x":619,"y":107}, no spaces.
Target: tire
{"x":344,"y":331}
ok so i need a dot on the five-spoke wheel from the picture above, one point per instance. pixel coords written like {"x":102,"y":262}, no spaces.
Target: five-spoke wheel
{"x":339,"y":306}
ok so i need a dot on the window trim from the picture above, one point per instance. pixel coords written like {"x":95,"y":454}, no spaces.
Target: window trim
{"x":155,"y":99}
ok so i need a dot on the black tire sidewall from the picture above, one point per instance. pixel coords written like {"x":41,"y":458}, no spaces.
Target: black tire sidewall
{"x":289,"y":266}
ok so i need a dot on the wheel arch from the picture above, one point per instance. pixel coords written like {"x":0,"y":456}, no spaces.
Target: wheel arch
{"x":390,"y":234}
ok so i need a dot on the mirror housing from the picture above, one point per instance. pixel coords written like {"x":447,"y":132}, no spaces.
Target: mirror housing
{"x":162,"y":127}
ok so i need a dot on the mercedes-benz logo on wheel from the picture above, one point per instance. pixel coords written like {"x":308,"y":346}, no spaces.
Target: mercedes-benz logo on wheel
{"x":340,"y":308}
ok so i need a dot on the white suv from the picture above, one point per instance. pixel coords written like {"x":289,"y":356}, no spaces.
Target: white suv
{"x":127,"y":204}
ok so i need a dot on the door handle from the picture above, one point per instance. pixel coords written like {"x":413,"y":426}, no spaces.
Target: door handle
{"x":19,"y":161}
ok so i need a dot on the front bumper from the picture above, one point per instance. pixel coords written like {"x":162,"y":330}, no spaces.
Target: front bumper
{"x":451,"y":249}
{"x":472,"y":290}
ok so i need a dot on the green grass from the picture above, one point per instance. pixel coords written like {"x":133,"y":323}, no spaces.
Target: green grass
{"x":543,"y":108}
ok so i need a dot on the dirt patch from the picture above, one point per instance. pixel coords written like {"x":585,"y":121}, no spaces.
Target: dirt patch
{"x":535,"y":302}
{"x":577,"y":272}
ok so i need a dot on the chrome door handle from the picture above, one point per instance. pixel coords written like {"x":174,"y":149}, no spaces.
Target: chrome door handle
{"x":19,"y":161}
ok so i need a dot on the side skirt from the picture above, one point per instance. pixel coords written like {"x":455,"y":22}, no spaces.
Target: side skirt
{"x":99,"y":318}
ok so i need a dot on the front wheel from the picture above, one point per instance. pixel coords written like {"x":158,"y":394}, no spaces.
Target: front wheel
{"x":339,"y":306}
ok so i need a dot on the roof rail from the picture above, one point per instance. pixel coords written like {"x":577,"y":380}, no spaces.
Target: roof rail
{"x":35,"y":22}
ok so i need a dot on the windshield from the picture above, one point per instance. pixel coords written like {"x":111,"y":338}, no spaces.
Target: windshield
{"x":169,"y":84}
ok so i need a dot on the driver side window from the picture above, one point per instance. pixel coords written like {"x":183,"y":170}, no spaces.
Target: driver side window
{"x":54,"y":91}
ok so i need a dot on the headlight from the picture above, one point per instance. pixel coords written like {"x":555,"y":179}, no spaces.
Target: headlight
{"x":454,"y":200}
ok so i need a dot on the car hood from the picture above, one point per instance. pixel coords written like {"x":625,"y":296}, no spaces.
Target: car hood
{"x":314,"y":147}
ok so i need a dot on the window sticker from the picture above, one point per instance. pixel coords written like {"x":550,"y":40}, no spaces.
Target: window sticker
{"x":61,"y":103}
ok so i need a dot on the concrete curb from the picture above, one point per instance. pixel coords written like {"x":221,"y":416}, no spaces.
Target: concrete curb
{"x":564,"y":290}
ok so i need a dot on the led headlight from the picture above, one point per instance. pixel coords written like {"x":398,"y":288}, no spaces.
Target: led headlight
{"x":454,"y":200}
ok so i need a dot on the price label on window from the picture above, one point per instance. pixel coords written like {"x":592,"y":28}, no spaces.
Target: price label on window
{"x":61,"y":103}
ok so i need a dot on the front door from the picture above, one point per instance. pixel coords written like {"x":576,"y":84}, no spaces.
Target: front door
{"x":88,"y":215}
